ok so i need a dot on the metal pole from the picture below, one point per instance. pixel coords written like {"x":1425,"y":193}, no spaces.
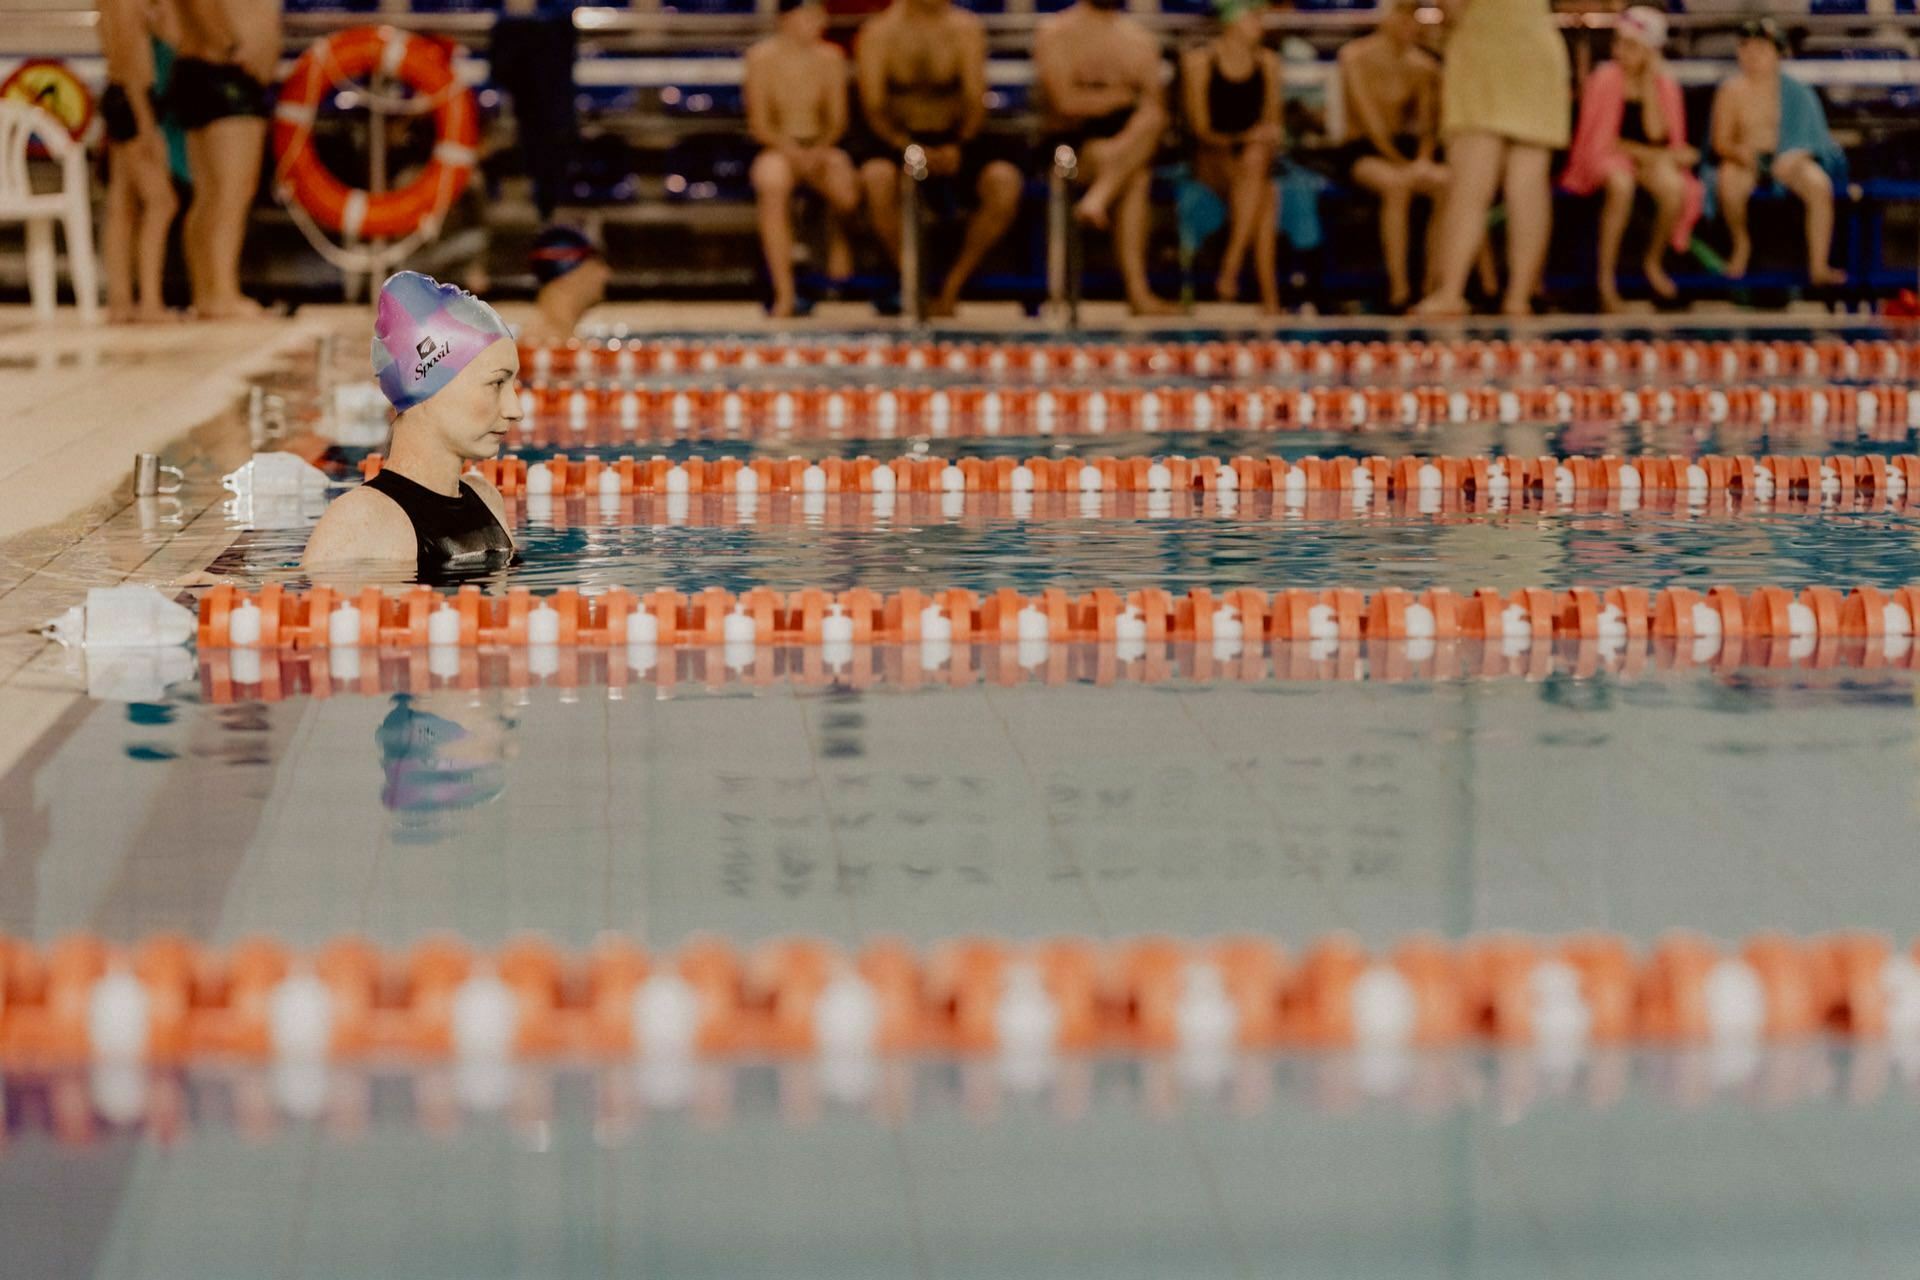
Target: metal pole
{"x":1063,"y":241}
{"x":913,"y":293}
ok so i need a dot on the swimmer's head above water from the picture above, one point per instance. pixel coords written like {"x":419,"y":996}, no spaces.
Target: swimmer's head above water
{"x":450,"y":368}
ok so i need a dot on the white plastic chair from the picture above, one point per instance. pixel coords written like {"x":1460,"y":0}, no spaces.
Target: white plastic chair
{"x":71,"y":206}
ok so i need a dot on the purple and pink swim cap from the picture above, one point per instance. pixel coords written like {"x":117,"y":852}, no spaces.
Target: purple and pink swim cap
{"x":425,"y":333}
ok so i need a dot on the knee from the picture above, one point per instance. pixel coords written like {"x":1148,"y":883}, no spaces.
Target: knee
{"x":1812,"y":184}
{"x":1620,"y":186}
{"x":1000,"y":185}
{"x":772,"y":176}
{"x":1254,"y":161}
{"x":878,"y":174}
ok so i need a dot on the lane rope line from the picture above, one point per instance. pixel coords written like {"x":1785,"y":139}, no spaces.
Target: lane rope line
{"x":276,"y":617}
{"x":986,"y":410}
{"x":167,"y":999}
{"x":1446,"y":479}
{"x":1723,"y":360}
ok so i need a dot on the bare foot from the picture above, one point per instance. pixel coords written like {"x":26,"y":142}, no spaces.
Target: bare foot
{"x":1658,"y":280}
{"x":1152,"y":306}
{"x":1610,"y":302}
{"x":122,"y":315}
{"x":154,"y":315}
{"x":1226,"y":287}
{"x":839,"y":260}
{"x":239,"y":308}
{"x":780,"y":308}
{"x":1737,"y":261}
{"x":1440,"y":306}
{"x":1825,"y":277}
{"x":1271,"y":307}
{"x":1517,"y":307}
{"x":942,"y":307}
{"x":1092,"y":209}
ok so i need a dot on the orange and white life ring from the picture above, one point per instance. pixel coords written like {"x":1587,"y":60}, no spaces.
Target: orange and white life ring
{"x":358,"y":53}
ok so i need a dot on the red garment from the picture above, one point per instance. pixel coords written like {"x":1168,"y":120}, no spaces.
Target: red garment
{"x":1596,"y":150}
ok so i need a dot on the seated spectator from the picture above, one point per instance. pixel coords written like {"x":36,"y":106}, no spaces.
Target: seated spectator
{"x":1098,"y":76}
{"x":1232,"y":89}
{"x":1391,"y":91}
{"x":140,"y":197}
{"x":1632,"y":136}
{"x":796,"y":85}
{"x":573,"y":280}
{"x":1770,"y":129}
{"x":923,"y":80}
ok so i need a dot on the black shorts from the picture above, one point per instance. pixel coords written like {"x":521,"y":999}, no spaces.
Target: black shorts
{"x":1354,"y":150}
{"x":116,"y":112}
{"x":961,"y":187}
{"x":1080,"y":134}
{"x":203,"y":92}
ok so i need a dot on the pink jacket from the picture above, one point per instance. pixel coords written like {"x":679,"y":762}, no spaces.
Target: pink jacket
{"x":1596,"y":141}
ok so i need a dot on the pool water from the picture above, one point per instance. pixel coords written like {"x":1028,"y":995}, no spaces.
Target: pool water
{"x":302,"y":800}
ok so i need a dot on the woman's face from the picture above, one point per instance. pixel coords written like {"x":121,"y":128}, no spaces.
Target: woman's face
{"x":1246,"y":27}
{"x":1632,"y":56}
{"x":473,"y":413}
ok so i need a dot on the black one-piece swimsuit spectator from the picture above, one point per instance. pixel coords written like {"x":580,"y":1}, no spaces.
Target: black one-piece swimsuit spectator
{"x":453,"y":535}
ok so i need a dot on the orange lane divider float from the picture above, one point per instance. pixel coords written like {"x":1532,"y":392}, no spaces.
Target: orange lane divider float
{"x":231,"y":676}
{"x":1242,"y":618}
{"x":1065,"y":409}
{"x":167,"y":999}
{"x":1841,"y":478}
{"x":1724,"y":360}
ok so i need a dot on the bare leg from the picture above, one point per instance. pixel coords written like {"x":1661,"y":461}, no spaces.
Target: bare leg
{"x":1113,"y":161}
{"x":158,"y":204}
{"x":838,"y":183}
{"x":1668,"y":187}
{"x":1615,"y":208}
{"x":1475,"y":160}
{"x":1736,"y":189}
{"x":116,"y":235}
{"x":772,"y":177}
{"x":1247,"y":198}
{"x":1801,"y":174}
{"x":881,"y":178}
{"x":1266,"y":249}
{"x":233,"y":147}
{"x":999,"y":196}
{"x":1130,"y":248}
{"x":1529,"y":193}
{"x":1393,"y":183}
{"x":193,"y":229}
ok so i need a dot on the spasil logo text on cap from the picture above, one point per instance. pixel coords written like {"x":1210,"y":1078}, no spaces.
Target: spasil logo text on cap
{"x":429,"y":356}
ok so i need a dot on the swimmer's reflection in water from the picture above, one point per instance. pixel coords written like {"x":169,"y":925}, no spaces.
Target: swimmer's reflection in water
{"x":441,"y":754}
{"x":450,"y":368}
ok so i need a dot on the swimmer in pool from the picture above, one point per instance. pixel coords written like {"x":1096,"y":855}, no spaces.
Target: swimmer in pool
{"x":449,"y":367}
{"x":573,"y":280}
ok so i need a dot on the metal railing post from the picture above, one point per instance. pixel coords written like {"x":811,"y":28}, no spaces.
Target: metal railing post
{"x":1063,"y":241}
{"x":913,"y":290}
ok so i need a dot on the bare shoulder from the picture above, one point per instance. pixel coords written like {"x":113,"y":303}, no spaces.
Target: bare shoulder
{"x":965,"y":24}
{"x":362,"y":524}
{"x":1140,"y":40}
{"x":830,"y":53}
{"x":759,"y":52}
{"x":1048,"y":29}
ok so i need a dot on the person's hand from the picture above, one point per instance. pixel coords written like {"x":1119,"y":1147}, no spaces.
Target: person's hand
{"x":943,"y":161}
{"x":1686,"y":157}
{"x":150,"y":150}
{"x":1266,"y":134}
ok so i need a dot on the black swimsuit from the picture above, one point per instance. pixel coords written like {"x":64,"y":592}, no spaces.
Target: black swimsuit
{"x":204,"y":92}
{"x":452,"y":534}
{"x":1234,"y":106}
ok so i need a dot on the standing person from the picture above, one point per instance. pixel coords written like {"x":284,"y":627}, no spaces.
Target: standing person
{"x":923,"y":79}
{"x":229,"y":53}
{"x":796,"y":86}
{"x":134,"y":35}
{"x":1504,"y":110}
{"x":448,"y":365}
{"x":1231,"y":86}
{"x":1098,"y":75}
{"x":572,"y":276}
{"x":1769,"y":127}
{"x":1633,"y":137}
{"x":1391,"y":91}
